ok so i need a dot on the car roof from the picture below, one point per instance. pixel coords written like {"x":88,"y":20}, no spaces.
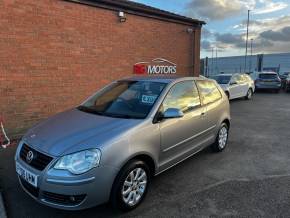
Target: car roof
{"x":163,"y":79}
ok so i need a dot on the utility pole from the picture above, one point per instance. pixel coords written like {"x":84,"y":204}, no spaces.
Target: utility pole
{"x":212,"y":61}
{"x":247,"y":38}
{"x":216,"y":60}
{"x":250,"y":68}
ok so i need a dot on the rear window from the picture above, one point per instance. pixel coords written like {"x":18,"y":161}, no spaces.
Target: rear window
{"x":208,"y":91}
{"x":268,"y":76}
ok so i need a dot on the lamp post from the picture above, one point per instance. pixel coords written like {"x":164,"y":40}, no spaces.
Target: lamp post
{"x":250,"y":68}
{"x":247,"y":38}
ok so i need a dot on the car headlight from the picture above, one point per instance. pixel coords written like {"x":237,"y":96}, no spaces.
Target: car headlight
{"x":80,"y":162}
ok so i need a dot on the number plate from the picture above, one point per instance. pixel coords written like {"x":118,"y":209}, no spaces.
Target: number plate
{"x":29,"y":177}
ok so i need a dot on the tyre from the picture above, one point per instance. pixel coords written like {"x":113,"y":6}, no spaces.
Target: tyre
{"x":277,"y":91}
{"x":249,"y":94}
{"x":130,"y":186}
{"x":221,"y":139}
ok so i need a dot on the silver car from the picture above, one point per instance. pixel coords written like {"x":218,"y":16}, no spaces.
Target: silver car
{"x":109,"y":147}
{"x":236,"y":85}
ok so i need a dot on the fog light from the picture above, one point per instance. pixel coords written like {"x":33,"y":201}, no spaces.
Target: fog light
{"x":72,"y":198}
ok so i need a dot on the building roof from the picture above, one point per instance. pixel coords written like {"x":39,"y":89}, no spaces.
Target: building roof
{"x":140,"y":9}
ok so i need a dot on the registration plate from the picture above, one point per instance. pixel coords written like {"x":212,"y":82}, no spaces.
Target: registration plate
{"x":29,"y":177}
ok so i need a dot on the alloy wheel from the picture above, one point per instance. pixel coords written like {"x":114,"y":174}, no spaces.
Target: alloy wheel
{"x":223,"y":137}
{"x":134,"y":186}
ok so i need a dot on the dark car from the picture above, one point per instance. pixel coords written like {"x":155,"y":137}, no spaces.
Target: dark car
{"x":268,"y":81}
{"x":283,"y":78}
{"x":287,"y":83}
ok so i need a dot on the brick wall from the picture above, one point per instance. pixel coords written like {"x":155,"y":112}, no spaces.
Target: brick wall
{"x":53,"y":54}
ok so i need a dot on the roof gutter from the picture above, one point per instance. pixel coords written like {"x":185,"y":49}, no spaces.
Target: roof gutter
{"x":140,"y":11}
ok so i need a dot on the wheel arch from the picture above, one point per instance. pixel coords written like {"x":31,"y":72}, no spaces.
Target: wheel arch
{"x":227,"y":121}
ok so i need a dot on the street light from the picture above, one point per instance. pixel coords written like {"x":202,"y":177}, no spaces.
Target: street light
{"x":250,"y":68}
{"x":247,"y":40}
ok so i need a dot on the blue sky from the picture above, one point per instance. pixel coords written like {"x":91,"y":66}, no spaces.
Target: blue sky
{"x":226,"y":23}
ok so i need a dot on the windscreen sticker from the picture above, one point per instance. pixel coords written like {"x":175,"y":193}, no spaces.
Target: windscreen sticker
{"x":148,"y":99}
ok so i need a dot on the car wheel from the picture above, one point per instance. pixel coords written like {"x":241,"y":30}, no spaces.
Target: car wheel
{"x":130,"y":186}
{"x":221,"y":139}
{"x":249,"y":94}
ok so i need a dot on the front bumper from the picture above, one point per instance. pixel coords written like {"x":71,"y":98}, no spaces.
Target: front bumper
{"x":63,"y":190}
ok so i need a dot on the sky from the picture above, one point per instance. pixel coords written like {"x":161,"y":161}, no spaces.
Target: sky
{"x":225,"y":31}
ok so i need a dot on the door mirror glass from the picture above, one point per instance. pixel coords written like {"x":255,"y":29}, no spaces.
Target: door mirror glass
{"x":172,"y":113}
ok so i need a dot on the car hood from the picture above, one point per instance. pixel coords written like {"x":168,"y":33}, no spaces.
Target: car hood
{"x":69,"y":131}
{"x":224,"y":86}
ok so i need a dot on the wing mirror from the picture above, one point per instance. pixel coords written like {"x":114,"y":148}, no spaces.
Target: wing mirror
{"x":233,"y":83}
{"x":172,"y":113}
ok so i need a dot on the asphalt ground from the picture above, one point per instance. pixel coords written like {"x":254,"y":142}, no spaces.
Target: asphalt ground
{"x":251,"y":178}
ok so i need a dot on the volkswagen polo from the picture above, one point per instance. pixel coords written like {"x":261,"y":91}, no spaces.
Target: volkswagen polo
{"x":109,"y":147}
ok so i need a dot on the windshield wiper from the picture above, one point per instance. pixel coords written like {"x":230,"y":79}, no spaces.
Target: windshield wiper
{"x":125,"y":116}
{"x":89,"y":110}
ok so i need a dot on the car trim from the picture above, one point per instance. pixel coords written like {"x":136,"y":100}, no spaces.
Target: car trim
{"x":190,"y":138}
{"x":69,"y":182}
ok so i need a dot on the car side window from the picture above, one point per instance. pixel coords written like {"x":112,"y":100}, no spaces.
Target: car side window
{"x":240,"y":79}
{"x":183,"y":95}
{"x":208,"y":91}
{"x":234,"y":79}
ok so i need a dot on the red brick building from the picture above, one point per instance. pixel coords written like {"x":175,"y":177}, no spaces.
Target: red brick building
{"x":55,"y":53}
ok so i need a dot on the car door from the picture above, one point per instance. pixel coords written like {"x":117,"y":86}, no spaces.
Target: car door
{"x":244,"y":85}
{"x":211,"y":99}
{"x":235,"y":89}
{"x":181,"y":137}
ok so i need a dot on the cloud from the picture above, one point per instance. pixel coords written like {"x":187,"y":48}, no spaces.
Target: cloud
{"x":206,"y":45}
{"x":262,"y":25}
{"x":214,"y":10}
{"x":280,"y":35}
{"x":218,"y":9}
{"x":270,"y":7}
{"x":205,"y":33}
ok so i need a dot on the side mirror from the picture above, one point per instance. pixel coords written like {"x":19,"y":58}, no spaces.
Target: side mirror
{"x":233,"y":83}
{"x":172,"y":113}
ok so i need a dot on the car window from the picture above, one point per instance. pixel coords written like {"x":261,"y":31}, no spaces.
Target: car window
{"x":239,"y":79}
{"x":234,"y":79}
{"x":124,"y":99}
{"x":222,"y":79}
{"x":248,"y":78}
{"x":183,"y":95}
{"x":268,"y":76}
{"x":208,"y":91}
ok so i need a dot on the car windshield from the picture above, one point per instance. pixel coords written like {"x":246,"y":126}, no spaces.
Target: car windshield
{"x":222,"y":79}
{"x":124,"y":99}
{"x":268,"y":76}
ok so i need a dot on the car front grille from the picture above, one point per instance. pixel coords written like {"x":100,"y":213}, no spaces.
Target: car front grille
{"x":31,"y":189}
{"x":68,"y":200}
{"x":39,"y":161}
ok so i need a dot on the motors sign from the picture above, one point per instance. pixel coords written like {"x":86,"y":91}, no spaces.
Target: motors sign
{"x":156,"y":66}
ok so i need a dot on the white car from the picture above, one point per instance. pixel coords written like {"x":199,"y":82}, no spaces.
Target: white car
{"x":236,"y":85}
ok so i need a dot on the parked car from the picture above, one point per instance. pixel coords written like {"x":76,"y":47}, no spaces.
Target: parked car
{"x":287,"y":83}
{"x":236,"y":85}
{"x":109,"y":147}
{"x":283,"y":77}
{"x":269,"y":81}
